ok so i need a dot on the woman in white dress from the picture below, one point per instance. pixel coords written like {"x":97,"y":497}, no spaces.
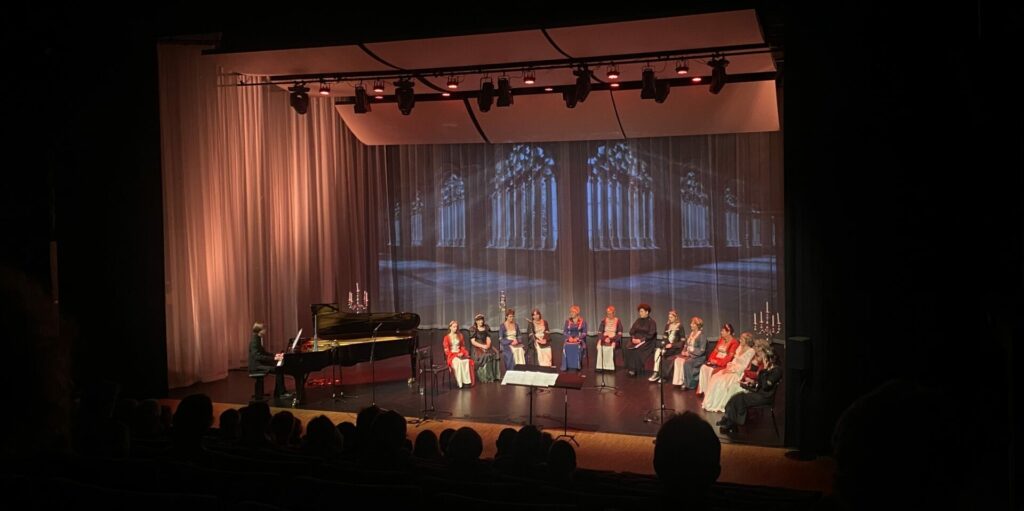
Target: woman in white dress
{"x":457,"y":354}
{"x":538,"y":332}
{"x":609,"y":334}
{"x":726,"y":383}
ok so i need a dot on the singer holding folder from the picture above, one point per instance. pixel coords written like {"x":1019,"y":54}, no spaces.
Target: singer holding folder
{"x":641,"y":344}
{"x":262,"y":360}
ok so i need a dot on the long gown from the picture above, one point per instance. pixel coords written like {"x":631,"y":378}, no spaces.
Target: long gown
{"x":609,"y":334}
{"x":487,"y":367}
{"x":575,"y":345}
{"x":726,"y":383}
{"x":458,"y":359}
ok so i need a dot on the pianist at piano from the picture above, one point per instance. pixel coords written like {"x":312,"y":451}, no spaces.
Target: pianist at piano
{"x":261,"y":360}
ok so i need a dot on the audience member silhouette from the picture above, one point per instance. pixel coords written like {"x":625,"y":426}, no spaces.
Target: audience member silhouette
{"x":881,"y":463}
{"x":687,"y":459}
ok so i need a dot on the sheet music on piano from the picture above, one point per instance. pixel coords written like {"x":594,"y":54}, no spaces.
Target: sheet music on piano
{"x":295,"y":343}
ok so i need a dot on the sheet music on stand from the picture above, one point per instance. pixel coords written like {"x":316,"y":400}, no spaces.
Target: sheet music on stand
{"x":295,"y":343}
{"x":529,"y":378}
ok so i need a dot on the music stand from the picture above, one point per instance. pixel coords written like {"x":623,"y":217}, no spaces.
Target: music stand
{"x":565,"y":382}
{"x":531,"y":376}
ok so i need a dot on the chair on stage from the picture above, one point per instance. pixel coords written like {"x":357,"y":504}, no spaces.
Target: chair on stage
{"x":425,"y":364}
{"x":758,"y":409}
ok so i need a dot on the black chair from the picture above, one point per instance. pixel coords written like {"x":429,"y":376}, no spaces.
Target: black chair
{"x":771,"y":409}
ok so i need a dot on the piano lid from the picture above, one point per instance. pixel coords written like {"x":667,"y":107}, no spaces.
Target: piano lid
{"x":341,"y":325}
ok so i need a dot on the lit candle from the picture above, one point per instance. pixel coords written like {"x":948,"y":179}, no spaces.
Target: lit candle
{"x":777,"y":320}
{"x":755,"y":318}
{"x":366,"y":297}
{"x":350,"y":297}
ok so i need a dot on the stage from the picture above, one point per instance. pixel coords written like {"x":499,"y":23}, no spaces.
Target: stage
{"x":610,"y":411}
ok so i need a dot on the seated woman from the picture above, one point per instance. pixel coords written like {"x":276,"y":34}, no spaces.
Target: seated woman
{"x":575,"y":332}
{"x":512,"y":351}
{"x":539,"y":334}
{"x":726,"y":383}
{"x":667,"y":348}
{"x":686,"y":366}
{"x":609,"y":333}
{"x":756,"y":392}
{"x":484,"y":355}
{"x":718,"y":357}
{"x":458,"y":356}
{"x":641,"y":342}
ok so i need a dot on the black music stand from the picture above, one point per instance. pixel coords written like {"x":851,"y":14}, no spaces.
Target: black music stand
{"x":530,"y":376}
{"x":565,"y":382}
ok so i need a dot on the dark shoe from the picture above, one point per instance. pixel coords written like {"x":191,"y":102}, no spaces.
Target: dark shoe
{"x":730,"y":430}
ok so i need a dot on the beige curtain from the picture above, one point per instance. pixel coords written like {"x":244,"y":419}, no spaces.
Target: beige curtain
{"x":265,"y":213}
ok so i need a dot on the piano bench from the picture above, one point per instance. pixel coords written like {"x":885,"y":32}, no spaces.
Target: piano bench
{"x":258,"y":394}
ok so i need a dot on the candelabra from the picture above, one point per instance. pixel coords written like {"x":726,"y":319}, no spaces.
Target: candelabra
{"x":766,"y":323}
{"x":361,"y":303}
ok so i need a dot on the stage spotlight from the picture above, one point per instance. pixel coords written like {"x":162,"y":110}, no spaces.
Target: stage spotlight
{"x":529,"y":78}
{"x":718,"y":76}
{"x":362,"y":104}
{"x":325,"y":89}
{"x":682,"y":68}
{"x":582,"y":83}
{"x":406,"y":98}
{"x":298,"y":97}
{"x":570,"y":98}
{"x":613,"y":73}
{"x":378,"y":86}
{"x":662,"y":91}
{"x":504,"y":92}
{"x":649,"y":85}
{"x":485,"y":98}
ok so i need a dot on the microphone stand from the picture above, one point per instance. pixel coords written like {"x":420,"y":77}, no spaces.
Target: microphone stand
{"x":650,"y":416}
{"x":373,"y":370}
{"x":600,"y":357}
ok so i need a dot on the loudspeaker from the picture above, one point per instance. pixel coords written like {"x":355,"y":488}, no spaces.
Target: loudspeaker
{"x":798,"y":410}
{"x":798,"y":353}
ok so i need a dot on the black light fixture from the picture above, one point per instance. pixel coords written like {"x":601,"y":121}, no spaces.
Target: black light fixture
{"x":504,"y":92}
{"x":649,"y":85}
{"x":325,"y":88}
{"x":718,"y":76}
{"x":362,"y":104}
{"x":485,"y":98}
{"x":529,"y":78}
{"x":453,"y":82}
{"x":661,"y":92}
{"x":378,"y":86}
{"x":582,"y":83}
{"x":682,"y":67}
{"x":613,"y":72}
{"x":570,"y":98}
{"x":404,"y":95}
{"x":298,"y":97}
{"x":653,"y":88}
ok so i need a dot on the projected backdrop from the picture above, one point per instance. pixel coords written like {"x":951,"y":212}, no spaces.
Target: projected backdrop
{"x":691,"y":223}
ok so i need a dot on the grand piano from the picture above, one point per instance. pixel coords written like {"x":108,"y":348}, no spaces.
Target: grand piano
{"x":347,"y":339}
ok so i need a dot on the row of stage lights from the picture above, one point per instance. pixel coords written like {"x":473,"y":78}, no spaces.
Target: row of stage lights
{"x":650,"y":88}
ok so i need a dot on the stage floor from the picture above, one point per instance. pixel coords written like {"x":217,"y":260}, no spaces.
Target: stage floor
{"x":611,"y":411}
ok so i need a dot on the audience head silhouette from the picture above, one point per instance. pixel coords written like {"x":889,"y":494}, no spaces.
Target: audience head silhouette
{"x":687,"y":453}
